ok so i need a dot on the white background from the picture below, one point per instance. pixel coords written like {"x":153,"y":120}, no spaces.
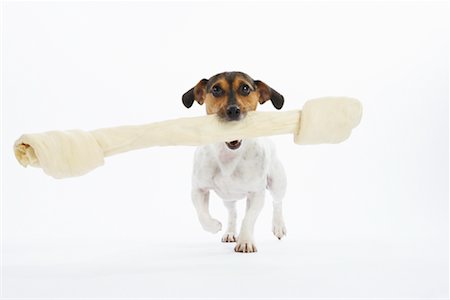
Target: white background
{"x":365,"y":218}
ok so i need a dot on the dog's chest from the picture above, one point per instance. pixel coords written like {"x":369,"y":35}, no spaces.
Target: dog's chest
{"x":235,"y":176}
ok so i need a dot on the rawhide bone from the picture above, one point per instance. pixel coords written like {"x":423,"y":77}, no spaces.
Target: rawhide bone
{"x":71,"y":153}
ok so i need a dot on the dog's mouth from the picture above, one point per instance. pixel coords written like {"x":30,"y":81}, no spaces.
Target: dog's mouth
{"x":233,"y":145}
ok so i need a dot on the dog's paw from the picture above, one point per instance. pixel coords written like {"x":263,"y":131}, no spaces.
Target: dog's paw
{"x":211,"y":225}
{"x":229,"y":237}
{"x":278,"y":229}
{"x":245,"y":246}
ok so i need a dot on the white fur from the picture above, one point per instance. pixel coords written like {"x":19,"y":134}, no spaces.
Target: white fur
{"x":237,"y":174}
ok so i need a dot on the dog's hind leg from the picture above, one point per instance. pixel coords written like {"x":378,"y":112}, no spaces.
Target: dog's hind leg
{"x":276,"y":184}
{"x":230,"y":234}
{"x":200,"y":199}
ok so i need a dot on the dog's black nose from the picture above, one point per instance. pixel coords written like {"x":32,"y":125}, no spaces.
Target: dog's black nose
{"x":233,"y":112}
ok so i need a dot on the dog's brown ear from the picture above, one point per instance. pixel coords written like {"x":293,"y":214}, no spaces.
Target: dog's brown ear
{"x":197,"y":93}
{"x":268,"y":93}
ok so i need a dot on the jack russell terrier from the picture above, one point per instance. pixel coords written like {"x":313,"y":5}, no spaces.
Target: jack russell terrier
{"x":237,"y":169}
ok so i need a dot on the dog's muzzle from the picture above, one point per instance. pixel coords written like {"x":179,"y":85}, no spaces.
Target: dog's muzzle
{"x":233,"y":145}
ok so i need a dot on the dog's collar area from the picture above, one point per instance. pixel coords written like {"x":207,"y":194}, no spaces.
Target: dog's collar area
{"x":233,"y":145}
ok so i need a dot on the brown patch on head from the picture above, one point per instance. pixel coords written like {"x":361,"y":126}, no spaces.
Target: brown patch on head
{"x":216,"y":99}
{"x":245,"y":93}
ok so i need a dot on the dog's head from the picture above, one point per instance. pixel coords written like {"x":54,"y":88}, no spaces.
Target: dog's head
{"x":231,"y":95}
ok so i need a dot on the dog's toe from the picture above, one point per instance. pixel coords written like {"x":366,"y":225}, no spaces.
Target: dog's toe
{"x":279,"y":230}
{"x":245,"y":247}
{"x":229,"y":237}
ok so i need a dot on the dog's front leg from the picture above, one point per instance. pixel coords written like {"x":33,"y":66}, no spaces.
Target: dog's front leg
{"x":230,"y":235}
{"x":200,"y":199}
{"x":255,"y":202}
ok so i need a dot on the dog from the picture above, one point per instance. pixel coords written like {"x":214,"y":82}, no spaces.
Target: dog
{"x":236,"y":169}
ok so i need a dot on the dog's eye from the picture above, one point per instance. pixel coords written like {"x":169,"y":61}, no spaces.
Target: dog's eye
{"x":245,"y":89}
{"x":217,"y":91}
